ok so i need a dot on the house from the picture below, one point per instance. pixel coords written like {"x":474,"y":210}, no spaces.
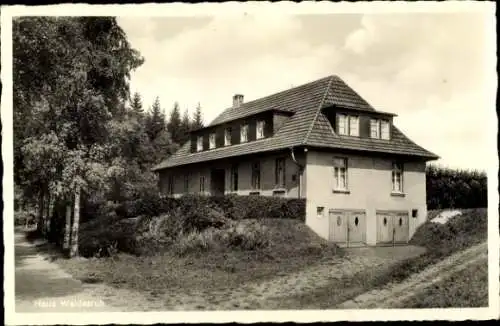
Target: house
{"x":363,"y":179}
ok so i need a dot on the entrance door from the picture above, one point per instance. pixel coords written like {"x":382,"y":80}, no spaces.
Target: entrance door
{"x":217,"y":182}
{"x":338,"y":226}
{"x":401,"y":228}
{"x":356,"y":227}
{"x":384,"y":228}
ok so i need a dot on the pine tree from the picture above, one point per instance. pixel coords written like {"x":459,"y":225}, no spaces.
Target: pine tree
{"x":155,"y":122}
{"x":136,"y":104}
{"x":174,"y":124}
{"x":197,"y":118}
{"x":185,"y":128}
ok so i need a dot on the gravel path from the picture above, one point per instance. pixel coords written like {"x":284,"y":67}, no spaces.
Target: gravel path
{"x":394,"y":295}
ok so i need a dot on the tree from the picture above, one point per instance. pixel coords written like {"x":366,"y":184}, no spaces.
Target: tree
{"x":197,"y":118}
{"x":155,"y":123}
{"x":174,"y":124}
{"x":184,"y":128}
{"x":71,"y":77}
{"x":136,"y":105}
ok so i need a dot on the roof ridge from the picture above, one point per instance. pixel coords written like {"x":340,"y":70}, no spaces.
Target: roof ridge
{"x":318,"y":110}
{"x":283,"y":91}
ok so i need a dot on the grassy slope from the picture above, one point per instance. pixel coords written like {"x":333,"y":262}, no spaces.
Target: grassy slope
{"x":467,"y":288}
{"x":293,"y":247}
{"x":440,"y":242}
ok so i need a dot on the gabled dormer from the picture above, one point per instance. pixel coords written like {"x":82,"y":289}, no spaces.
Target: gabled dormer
{"x":358,"y":123}
{"x":252,"y":127}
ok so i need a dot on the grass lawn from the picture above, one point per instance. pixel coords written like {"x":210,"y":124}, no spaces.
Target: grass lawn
{"x":293,"y":247}
{"x":467,"y":288}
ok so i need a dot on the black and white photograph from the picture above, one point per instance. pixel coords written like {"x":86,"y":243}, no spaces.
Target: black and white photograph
{"x":250,"y":160}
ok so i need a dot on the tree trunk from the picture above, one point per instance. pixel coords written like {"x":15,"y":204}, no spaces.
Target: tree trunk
{"x":76,"y":225}
{"x":67,"y":227}
{"x":51,"y":213}
{"x":39,"y":225}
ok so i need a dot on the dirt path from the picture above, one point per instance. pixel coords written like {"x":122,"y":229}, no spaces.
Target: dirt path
{"x":42,"y":286}
{"x":394,"y":295}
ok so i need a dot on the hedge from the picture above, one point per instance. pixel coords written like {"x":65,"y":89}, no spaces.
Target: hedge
{"x":234,"y":207}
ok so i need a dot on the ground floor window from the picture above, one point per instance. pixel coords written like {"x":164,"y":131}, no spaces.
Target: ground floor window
{"x":202,"y":183}
{"x":397,"y":177}
{"x":256,"y":175}
{"x":340,"y":173}
{"x":280,"y":172}
{"x":234,"y":177}
{"x":170,"y":185}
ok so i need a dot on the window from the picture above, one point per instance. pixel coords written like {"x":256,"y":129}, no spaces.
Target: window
{"x":342,"y":124}
{"x":199,"y":144}
{"x":385,"y":129}
{"x":170,"y":185}
{"x":211,"y":141}
{"x":202,"y":183}
{"x":186,"y":183}
{"x":256,"y":175}
{"x":374,"y":128}
{"x":347,"y":125}
{"x":280,"y":172}
{"x":234,"y":177}
{"x":227,"y":136}
{"x":397,"y":177}
{"x":340,"y":173}
{"x":244,"y":134}
{"x":260,"y":129}
{"x":380,"y":129}
{"x":353,"y":126}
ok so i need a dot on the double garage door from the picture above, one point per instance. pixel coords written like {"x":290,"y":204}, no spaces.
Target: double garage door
{"x":392,"y":227}
{"x":347,"y":227}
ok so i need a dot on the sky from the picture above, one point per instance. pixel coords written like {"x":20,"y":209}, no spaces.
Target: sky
{"x":434,"y":70}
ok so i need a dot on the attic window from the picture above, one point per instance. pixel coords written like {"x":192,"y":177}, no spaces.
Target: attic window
{"x":211,"y":141}
{"x":244,"y":134}
{"x":347,"y":125}
{"x":380,"y":129}
{"x":227,"y":137}
{"x":199,"y":144}
{"x":260,"y":130}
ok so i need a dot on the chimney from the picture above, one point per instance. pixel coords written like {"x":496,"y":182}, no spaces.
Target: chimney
{"x":237,"y":100}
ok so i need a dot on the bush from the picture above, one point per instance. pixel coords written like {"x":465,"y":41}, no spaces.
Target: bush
{"x":21,"y":216}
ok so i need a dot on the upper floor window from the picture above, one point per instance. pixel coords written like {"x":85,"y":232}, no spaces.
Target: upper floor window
{"x":280,"y":172}
{"x":227,"y":136}
{"x":397,"y":177}
{"x":380,"y":129}
{"x":211,"y":141}
{"x":260,"y":129}
{"x":199,"y":143}
{"x":244,"y":134}
{"x":340,"y":173}
{"x":347,"y":125}
{"x":256,"y":175}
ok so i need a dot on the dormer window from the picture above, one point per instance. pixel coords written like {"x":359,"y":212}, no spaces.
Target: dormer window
{"x":199,"y":144}
{"x":347,"y":125}
{"x":211,"y":141}
{"x":227,"y":136}
{"x":380,"y":129}
{"x":244,"y":134}
{"x":260,"y":130}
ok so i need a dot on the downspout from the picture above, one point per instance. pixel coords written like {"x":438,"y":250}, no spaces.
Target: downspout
{"x":301,"y":169}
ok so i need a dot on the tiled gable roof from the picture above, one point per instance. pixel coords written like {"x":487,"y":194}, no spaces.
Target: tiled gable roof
{"x":306,"y":127}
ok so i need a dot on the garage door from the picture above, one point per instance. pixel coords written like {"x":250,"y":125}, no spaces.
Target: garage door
{"x":392,"y":227}
{"x":347,"y":227}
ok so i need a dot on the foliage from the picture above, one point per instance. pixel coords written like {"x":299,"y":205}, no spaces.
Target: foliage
{"x":451,"y":188}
